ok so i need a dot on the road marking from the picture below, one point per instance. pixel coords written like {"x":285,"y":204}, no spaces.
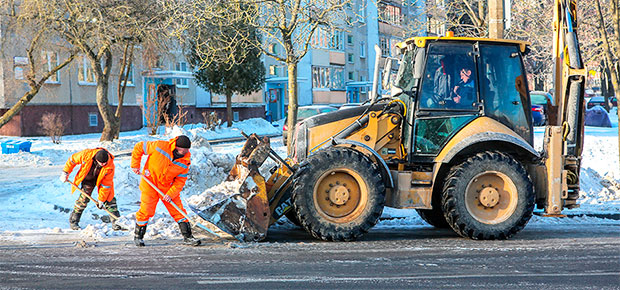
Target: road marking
{"x":243,"y":280}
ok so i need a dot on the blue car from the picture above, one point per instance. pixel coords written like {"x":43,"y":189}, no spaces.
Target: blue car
{"x":538,"y":115}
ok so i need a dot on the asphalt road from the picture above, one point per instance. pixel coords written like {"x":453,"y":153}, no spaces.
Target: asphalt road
{"x":540,"y":257}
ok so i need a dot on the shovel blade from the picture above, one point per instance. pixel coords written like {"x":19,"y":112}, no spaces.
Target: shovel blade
{"x":244,"y":216}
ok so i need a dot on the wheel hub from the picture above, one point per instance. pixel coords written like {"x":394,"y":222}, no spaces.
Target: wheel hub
{"x":339,"y":195}
{"x":489,"y":197}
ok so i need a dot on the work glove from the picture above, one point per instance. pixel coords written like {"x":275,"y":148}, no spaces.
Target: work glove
{"x":101,"y":204}
{"x":63,"y":177}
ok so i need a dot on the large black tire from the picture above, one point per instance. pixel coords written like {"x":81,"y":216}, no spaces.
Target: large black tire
{"x":488,"y":196}
{"x":292,"y":217}
{"x":338,"y":195}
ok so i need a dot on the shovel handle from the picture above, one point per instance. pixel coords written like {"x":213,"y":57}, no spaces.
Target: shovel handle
{"x":91,"y":198}
{"x":177,"y":207}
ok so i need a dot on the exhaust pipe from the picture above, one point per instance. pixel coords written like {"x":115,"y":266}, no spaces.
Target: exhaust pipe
{"x":375,"y":80}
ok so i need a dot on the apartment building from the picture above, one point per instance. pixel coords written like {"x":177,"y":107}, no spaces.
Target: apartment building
{"x":71,"y":92}
{"x":339,"y":67}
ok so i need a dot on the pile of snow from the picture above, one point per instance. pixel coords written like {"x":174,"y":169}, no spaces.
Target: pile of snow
{"x":24,"y":159}
{"x":256,"y":125}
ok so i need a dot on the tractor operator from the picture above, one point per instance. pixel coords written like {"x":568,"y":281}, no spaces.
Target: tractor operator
{"x":463,"y":92}
{"x":167,"y":166}
{"x":96,"y":170}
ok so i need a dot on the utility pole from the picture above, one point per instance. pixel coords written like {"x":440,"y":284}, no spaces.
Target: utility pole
{"x":496,"y":18}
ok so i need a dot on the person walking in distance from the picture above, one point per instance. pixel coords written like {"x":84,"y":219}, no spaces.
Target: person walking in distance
{"x":167,"y":166}
{"x":96,"y":170}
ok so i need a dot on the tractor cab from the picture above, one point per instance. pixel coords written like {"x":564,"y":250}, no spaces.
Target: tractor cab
{"x":449,"y":82}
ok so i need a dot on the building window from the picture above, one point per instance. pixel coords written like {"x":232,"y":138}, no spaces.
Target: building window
{"x":273,"y":48}
{"x":351,"y":76}
{"x":328,"y":39}
{"x":129,"y":77}
{"x":350,"y":57}
{"x":363,"y":49}
{"x":236,"y":116}
{"x":349,"y":39}
{"x":390,"y":14}
{"x":181,"y":82}
{"x":384,"y":44}
{"x":361,"y":10}
{"x":93,"y":119}
{"x":328,"y":77}
{"x":273,"y":70}
{"x":50,"y":61}
{"x":86,"y":75}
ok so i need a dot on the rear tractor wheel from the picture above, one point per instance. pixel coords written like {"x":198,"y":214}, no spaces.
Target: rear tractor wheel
{"x":339,"y":195}
{"x":488,"y":196}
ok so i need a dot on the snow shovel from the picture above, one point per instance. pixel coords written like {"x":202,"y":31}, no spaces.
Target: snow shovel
{"x":244,"y":215}
{"x":178,"y":209}
{"x":95,"y":201}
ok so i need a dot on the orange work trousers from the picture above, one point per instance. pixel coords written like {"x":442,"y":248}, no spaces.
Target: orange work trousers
{"x":148,"y":205}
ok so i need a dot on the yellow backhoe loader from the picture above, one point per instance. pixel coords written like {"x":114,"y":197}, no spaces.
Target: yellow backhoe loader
{"x":454,"y":140}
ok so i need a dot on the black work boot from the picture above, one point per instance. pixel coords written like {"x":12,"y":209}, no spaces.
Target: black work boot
{"x":139,"y":235}
{"x":74,"y":219}
{"x":186,"y":231}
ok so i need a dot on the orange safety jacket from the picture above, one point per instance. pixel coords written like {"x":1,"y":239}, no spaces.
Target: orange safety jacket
{"x":167,"y":174}
{"x":105,"y":180}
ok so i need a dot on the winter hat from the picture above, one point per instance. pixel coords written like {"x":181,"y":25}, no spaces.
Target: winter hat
{"x":102,"y":156}
{"x":183,"y":142}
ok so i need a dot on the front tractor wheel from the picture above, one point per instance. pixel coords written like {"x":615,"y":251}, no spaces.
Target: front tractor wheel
{"x":339,"y":195}
{"x":488,"y":196}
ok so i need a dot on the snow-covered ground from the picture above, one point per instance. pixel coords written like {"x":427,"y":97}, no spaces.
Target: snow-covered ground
{"x":33,"y":200}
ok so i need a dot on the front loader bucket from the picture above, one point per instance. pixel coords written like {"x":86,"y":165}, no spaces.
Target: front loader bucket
{"x":244,"y":215}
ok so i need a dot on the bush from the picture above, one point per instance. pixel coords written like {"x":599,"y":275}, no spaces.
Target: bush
{"x":210,"y":120}
{"x":53,"y":126}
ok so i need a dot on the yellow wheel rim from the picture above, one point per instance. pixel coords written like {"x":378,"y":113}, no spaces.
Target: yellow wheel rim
{"x":340,"y":195}
{"x":491,"y":197}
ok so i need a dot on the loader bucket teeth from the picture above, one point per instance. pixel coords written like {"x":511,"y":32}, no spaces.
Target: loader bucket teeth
{"x":245,"y":215}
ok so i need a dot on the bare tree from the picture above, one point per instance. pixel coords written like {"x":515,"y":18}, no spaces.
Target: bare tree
{"x":289,"y":24}
{"x":96,"y":28}
{"x":610,"y":38}
{"x":38,"y":37}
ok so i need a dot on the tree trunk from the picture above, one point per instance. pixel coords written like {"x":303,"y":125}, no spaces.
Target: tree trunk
{"x":609,"y":57}
{"x":292,"y":105}
{"x":122,"y":85}
{"x":229,"y":112}
{"x":110,"y":124}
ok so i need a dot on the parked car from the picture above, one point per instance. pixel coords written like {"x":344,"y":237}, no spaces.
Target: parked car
{"x":600,"y":101}
{"x":306,"y":112}
{"x":538,"y":115}
{"x":539,"y":107}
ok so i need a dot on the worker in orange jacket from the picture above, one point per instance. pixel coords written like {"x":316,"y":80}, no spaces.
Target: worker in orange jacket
{"x":166,"y":167}
{"x":96,"y":170}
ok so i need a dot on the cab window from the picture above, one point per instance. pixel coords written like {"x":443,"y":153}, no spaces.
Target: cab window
{"x":450,"y":80}
{"x":504,"y":88}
